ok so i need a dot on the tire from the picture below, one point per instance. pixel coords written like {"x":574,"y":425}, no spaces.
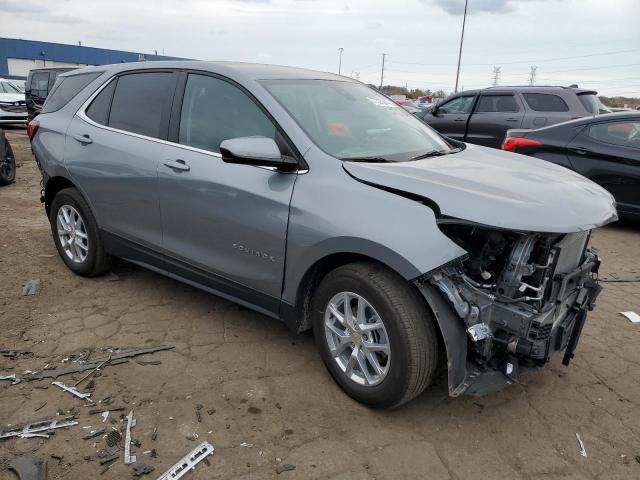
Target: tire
{"x":409,"y":333}
{"x":90,"y":259}
{"x":8,"y":165}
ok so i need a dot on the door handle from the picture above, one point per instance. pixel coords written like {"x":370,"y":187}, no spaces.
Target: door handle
{"x":177,"y":165}
{"x":512,"y":119}
{"x":580,"y":150}
{"x":84,"y":139}
{"x":459,"y":119}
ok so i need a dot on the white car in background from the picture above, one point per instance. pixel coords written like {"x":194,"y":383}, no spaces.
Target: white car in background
{"x":13,"y":106}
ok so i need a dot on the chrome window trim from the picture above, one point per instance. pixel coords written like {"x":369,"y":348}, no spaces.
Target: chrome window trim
{"x":82,"y":113}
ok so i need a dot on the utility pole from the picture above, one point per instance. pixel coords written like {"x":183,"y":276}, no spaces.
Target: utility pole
{"x":382,"y":73}
{"x":496,"y":76}
{"x":340,"y":63}
{"x":532,"y":76}
{"x":464,"y":20}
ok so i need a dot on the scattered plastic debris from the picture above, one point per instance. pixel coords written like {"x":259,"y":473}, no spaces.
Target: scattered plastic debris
{"x":285,"y":467}
{"x":105,"y":415}
{"x":188,"y":462}
{"x":199,"y":407}
{"x":72,"y":390}
{"x":131,"y":422}
{"x":12,"y":378}
{"x":31,"y":287}
{"x":245,"y":444}
{"x":193,"y":436}
{"x":113,"y":438}
{"x":583,"y":450}
{"x":94,"y":434}
{"x":141,"y":469}
{"x":103,"y":410}
{"x":38,"y":429}
{"x":29,"y":468}
{"x":633,"y":316}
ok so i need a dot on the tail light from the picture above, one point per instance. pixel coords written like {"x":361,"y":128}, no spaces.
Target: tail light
{"x":511,"y":144}
{"x":32,"y":128}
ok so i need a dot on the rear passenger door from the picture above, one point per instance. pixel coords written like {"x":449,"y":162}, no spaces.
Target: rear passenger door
{"x":224,"y":225}
{"x":113,"y":149}
{"x":493,"y":116}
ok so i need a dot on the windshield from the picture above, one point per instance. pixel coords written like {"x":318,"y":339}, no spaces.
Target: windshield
{"x":351,"y":121}
{"x":8,"y":87}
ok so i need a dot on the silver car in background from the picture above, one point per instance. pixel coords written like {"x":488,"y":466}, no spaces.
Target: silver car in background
{"x":13,"y":107}
{"x":313,"y":199}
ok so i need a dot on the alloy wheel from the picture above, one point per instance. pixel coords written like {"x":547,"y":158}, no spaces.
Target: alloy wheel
{"x":72,"y":234}
{"x":357,"y":338}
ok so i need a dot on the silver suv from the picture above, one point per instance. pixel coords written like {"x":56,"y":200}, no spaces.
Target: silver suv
{"x":313,"y":199}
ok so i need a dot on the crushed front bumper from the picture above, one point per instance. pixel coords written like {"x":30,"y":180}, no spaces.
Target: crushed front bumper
{"x":515,"y":338}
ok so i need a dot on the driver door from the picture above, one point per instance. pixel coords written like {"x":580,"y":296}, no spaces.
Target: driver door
{"x":451,"y":117}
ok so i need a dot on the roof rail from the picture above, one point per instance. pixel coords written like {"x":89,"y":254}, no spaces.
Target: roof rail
{"x":530,"y":86}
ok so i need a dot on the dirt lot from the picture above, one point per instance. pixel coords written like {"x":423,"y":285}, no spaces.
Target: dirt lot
{"x":260,"y":385}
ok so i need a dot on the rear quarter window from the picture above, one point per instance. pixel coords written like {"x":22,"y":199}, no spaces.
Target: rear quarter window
{"x":545,"y":102}
{"x":65,"y":89}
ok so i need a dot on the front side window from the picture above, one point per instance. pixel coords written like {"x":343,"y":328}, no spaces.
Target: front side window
{"x":457,"y":105}
{"x":65,"y":89}
{"x":623,"y":133}
{"x":497,"y":103}
{"x":545,"y":102}
{"x":352,"y":121}
{"x":214,"y":110}
{"x":138,"y":102}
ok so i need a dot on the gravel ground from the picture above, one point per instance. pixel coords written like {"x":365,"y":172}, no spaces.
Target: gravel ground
{"x":261,"y":387}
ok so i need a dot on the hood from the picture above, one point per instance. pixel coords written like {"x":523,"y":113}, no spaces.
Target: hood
{"x":12,"y":97}
{"x":497,"y":188}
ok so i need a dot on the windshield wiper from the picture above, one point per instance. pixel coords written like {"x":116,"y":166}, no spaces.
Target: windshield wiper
{"x":435,"y":153}
{"x":367,"y":159}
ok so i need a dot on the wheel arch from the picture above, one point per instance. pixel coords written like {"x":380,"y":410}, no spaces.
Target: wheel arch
{"x":51,"y":188}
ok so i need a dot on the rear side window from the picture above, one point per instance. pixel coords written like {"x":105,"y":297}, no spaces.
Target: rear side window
{"x":40,"y":84}
{"x":214,"y":110}
{"x":98,"y":111}
{"x":138,"y":102}
{"x":497,"y":103}
{"x":545,"y":102}
{"x":590,"y":103}
{"x":66,"y":88}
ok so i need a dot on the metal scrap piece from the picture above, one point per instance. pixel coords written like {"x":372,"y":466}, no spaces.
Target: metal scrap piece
{"x":583,"y":450}
{"x":113,"y":438}
{"x":72,"y":391}
{"x":12,"y":378}
{"x":141,"y":469}
{"x":29,"y":468}
{"x":94,"y":434}
{"x":131,"y":422}
{"x":38,"y":428}
{"x":188,"y":462}
{"x":115,"y":360}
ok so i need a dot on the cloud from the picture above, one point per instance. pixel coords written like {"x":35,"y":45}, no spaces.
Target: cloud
{"x":456,"y":7}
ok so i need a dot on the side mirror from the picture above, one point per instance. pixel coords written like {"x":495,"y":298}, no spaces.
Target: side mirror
{"x":257,"y":151}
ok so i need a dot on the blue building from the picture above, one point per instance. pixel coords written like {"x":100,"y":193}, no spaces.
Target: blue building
{"x":17,"y":57}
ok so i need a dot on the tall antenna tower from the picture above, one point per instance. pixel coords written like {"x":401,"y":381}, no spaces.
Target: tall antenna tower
{"x":496,"y":76}
{"x":532,"y":76}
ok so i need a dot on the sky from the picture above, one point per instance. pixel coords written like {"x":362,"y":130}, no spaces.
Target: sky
{"x":592,"y":43}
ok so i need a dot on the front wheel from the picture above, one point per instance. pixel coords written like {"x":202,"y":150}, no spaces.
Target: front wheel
{"x":375,"y":334}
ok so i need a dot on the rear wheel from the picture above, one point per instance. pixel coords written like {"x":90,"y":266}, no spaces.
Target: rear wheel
{"x":76,"y":235}
{"x":375,"y":334}
{"x":7,"y":164}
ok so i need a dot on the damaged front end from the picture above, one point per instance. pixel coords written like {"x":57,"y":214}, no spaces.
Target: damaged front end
{"x":507,"y":306}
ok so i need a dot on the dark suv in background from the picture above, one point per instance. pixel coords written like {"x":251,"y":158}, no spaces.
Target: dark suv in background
{"x":39,"y":83}
{"x":484,"y":116}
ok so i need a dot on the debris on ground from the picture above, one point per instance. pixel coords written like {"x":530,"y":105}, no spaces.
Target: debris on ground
{"x":14,"y":353}
{"x":38,"y":429}
{"x":114,"y":359}
{"x":112,"y":277}
{"x":154,"y":435}
{"x":188,"y":462}
{"x":94,"y":434}
{"x":73,"y":391}
{"x":131,"y":422}
{"x":245,"y":444}
{"x":632,"y":316}
{"x":199,"y":407}
{"x":141,"y":469}
{"x":29,"y":468}
{"x":285,"y":467}
{"x":620,"y":277}
{"x":12,"y":378}
{"x":40,"y":407}
{"x":113,"y":438}
{"x":583,"y":450}
{"x":31,"y":287}
{"x":102,"y":410}
{"x":193,"y":436}
{"x":111,"y":457}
